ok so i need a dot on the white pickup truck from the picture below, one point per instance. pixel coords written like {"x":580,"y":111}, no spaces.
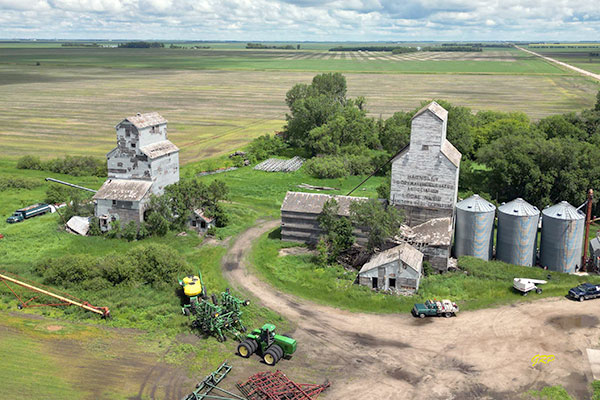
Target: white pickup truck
{"x":526,"y":285}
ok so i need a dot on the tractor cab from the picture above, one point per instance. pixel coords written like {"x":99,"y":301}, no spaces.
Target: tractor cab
{"x":267,"y":334}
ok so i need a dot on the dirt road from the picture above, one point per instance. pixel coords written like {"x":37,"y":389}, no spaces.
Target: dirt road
{"x":564,"y":64}
{"x":483,"y":354}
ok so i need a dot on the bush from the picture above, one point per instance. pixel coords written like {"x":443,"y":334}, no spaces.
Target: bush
{"x":94,"y":227}
{"x":157,"y":264}
{"x":29,"y":162}
{"x":266,"y":146}
{"x":327,"y":167}
{"x":130,"y":232}
{"x":18,"y":183}
{"x":68,"y":270}
{"x":59,"y":194}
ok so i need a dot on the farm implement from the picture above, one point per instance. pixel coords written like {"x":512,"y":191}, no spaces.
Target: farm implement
{"x":219,"y":316}
{"x":262,"y":386}
{"x":63,"y":298}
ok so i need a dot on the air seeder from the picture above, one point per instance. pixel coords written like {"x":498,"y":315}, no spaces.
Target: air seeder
{"x":216,"y":317}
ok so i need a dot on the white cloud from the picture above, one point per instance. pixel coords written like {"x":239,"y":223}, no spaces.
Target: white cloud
{"x":302,"y":19}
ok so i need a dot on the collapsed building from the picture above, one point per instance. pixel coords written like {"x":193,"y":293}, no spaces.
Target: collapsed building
{"x":143,"y":163}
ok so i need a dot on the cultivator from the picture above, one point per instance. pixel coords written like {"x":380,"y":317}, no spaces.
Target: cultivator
{"x":205,"y":388}
{"x":277,"y":386}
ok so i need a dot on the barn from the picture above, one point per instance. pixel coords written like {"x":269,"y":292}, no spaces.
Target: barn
{"x":394,"y":270}
{"x":299,"y":213}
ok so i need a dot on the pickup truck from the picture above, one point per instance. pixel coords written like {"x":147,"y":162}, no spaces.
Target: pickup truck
{"x":28,"y":212}
{"x":434,"y":308}
{"x":584,"y":291}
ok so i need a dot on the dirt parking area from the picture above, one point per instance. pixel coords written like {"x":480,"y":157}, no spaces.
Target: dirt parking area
{"x":485,"y":354}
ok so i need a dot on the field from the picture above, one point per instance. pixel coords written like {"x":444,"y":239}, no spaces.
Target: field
{"x":218,"y":100}
{"x":576,"y":55}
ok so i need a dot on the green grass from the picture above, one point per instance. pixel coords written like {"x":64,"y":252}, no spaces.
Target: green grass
{"x":549,"y":393}
{"x":485,"y":284}
{"x":26,"y":372}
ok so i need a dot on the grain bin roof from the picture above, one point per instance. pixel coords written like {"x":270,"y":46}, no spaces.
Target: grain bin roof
{"x":159,"y":149}
{"x":403,"y":252}
{"x":435,"y":109}
{"x":520,"y":208}
{"x":476,"y":204}
{"x":144,"y":120}
{"x":123,"y":189}
{"x":563,"y":210}
{"x":312,"y":203}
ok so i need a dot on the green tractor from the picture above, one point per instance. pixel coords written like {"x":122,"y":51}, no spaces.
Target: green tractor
{"x":270,"y":346}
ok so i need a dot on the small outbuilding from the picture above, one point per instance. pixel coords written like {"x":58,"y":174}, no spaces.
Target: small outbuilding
{"x":200,"y":222}
{"x":396,"y":270}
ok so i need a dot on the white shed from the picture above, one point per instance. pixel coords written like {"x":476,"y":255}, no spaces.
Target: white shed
{"x":395,"y":270}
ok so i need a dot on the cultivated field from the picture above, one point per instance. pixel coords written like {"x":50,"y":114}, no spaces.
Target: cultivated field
{"x":218,"y":100}
{"x":577,"y":55}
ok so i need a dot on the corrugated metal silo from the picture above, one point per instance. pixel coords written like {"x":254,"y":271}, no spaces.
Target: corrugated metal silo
{"x":562,"y":237}
{"x":474,"y":232}
{"x":517,"y":232}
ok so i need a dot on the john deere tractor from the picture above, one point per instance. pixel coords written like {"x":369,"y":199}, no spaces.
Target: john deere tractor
{"x":270,"y":346}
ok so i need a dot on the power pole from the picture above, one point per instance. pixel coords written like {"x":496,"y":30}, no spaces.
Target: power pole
{"x":588,"y":221}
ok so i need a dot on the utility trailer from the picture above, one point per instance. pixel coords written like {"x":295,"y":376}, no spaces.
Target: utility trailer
{"x":28,"y":212}
{"x":526,"y":285}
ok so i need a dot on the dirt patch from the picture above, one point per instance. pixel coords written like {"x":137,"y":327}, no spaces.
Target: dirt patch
{"x":211,"y":241}
{"x":296,"y":251}
{"x":54,"y":328}
{"x":570,"y":322}
{"x":402,"y":375}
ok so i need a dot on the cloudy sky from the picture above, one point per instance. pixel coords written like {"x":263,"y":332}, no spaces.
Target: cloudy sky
{"x":327,"y":20}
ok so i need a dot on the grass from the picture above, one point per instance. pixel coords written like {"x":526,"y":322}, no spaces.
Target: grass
{"x":485,"y":284}
{"x":578,"y":55}
{"x":549,"y":393}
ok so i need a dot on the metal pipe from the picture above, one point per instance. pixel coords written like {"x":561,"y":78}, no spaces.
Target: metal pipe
{"x":588,"y":220}
{"x":56,"y":296}
{"x":71,"y":184}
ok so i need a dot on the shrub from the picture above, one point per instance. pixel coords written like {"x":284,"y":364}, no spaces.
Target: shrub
{"x":29,"y":162}
{"x":266,"y":146}
{"x":59,"y":194}
{"x":156,"y":224}
{"x":118,"y":269}
{"x":130,"y":232}
{"x":94,"y":227}
{"x":18,"y":183}
{"x":327,"y":167}
{"x":157,"y":264}
{"x":68,"y":270}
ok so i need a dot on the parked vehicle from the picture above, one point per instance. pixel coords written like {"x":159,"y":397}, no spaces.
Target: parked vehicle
{"x":526,"y":285}
{"x":434,"y":308}
{"x":270,"y":346}
{"x":28,"y":212}
{"x":584,"y":291}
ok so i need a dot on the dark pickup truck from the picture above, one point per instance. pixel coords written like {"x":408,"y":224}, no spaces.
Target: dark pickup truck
{"x":584,"y":291}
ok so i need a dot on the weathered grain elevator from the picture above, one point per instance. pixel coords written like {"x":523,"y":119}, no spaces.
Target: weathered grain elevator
{"x":562,"y":238}
{"x":474,"y":231}
{"x":516,"y":240}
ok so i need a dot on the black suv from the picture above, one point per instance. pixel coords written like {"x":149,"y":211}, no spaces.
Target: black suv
{"x":584,"y":291}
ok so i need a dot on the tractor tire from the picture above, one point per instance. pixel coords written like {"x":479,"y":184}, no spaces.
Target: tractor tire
{"x":421,"y":315}
{"x":220,"y":339}
{"x":254,"y":344}
{"x":270,"y":358}
{"x":245,"y":349}
{"x":214,"y":299}
{"x":186,"y":312}
{"x":447,"y":315}
{"x":277,"y":349}
{"x":538,"y":291}
{"x":581,"y":298}
{"x":525,"y":293}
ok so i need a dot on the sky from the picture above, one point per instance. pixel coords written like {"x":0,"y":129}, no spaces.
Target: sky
{"x":302,"y":20}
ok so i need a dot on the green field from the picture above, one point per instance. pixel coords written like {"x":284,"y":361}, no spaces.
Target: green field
{"x":216,"y":101}
{"x":577,"y":55}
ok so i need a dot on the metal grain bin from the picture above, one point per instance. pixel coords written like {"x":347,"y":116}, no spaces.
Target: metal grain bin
{"x":517,"y":232}
{"x":562,"y":237}
{"x":474,"y":232}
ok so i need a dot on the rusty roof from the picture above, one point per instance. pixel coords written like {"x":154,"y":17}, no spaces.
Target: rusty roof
{"x":403,"y":252}
{"x":159,"y":149}
{"x":198,"y":212}
{"x":312,"y":203}
{"x":123,"y":189}
{"x":435,"y":109}
{"x":435,"y":232}
{"x":144,"y":120}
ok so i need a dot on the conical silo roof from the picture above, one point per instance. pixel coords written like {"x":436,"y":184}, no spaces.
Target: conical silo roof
{"x":475,"y":204}
{"x":563,"y":210}
{"x":520,"y":208}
